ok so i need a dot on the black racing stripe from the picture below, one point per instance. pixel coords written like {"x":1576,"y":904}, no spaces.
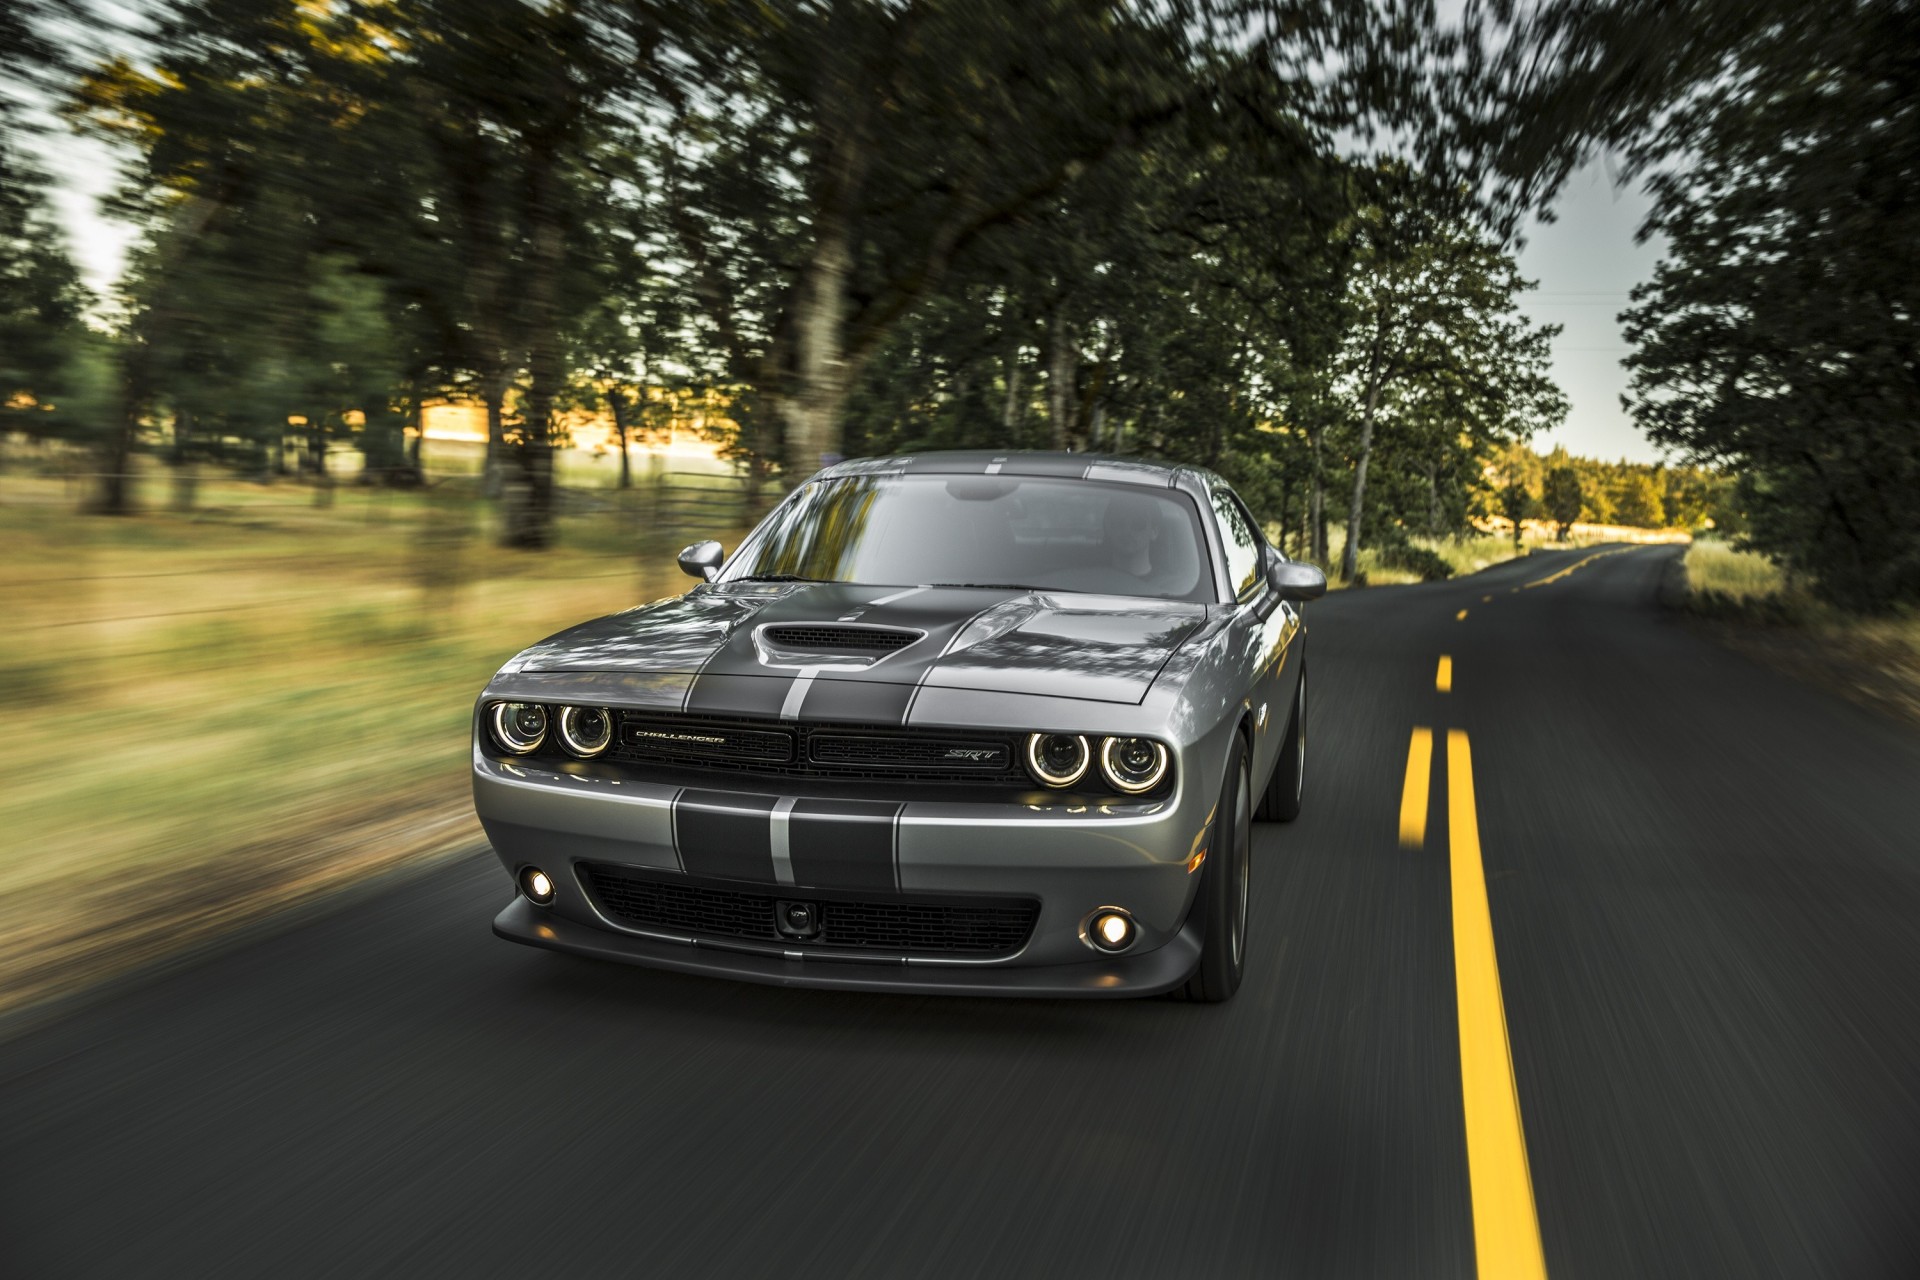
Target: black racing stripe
{"x":726,"y":834}
{"x":856,"y":701}
{"x":859,"y":698}
{"x":726,"y":693}
{"x":843,"y":844}
{"x":735,"y":682}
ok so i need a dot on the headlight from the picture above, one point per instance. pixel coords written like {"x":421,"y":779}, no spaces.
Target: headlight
{"x":1058,"y":759}
{"x":1133,"y":765}
{"x":585,"y":731}
{"x":519,"y":727}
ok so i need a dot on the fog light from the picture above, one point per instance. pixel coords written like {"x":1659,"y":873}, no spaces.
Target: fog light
{"x":1110,"y":929}
{"x":537,"y":885}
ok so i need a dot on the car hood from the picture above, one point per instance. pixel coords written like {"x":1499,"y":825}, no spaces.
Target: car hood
{"x":729,"y":637}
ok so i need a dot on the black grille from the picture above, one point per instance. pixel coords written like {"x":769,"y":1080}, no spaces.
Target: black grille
{"x":905,"y":753}
{"x":662,"y":738}
{"x":803,"y":749}
{"x":895,"y":925}
{"x":862,"y":639}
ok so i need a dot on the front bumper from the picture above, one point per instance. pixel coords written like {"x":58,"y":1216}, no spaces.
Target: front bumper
{"x":1070,"y":859}
{"x":1134,"y":974}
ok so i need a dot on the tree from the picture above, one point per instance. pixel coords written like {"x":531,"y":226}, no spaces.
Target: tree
{"x":43,"y":337}
{"x":1777,"y":339}
{"x":1517,"y":504}
{"x":1563,"y":498}
{"x":1436,"y":305}
{"x":900,"y":143}
{"x":1637,"y":501}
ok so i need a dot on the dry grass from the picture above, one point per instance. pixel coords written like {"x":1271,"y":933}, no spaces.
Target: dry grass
{"x":1759,"y":609}
{"x":1466,"y":555}
{"x":219,"y":713}
{"x":1716,"y":568}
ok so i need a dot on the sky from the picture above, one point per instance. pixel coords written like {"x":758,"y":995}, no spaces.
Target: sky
{"x":1584,"y":262}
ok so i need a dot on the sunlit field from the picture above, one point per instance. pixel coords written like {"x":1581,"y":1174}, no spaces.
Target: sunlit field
{"x":1462,"y":555}
{"x":1713,"y":566}
{"x":235,"y":708}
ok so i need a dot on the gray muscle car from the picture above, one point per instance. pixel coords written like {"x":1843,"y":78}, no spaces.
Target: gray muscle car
{"x":958,"y":722}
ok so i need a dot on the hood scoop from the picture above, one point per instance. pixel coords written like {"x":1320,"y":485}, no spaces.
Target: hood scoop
{"x":835,"y":644}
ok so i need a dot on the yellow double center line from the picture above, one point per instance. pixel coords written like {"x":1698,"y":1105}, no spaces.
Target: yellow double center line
{"x":1555,"y":577}
{"x":1506,"y":1227}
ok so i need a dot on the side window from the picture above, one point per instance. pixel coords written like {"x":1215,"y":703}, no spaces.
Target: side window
{"x":1242,"y":543}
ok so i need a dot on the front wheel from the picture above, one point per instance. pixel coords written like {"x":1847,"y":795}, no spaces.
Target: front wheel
{"x":1222,"y":901}
{"x":1280,"y":800}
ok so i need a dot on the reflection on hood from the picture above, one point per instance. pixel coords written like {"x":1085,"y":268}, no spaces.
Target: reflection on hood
{"x":1105,"y":648}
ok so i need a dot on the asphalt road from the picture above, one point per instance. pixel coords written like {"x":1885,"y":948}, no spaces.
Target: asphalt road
{"x":1704,"y":886}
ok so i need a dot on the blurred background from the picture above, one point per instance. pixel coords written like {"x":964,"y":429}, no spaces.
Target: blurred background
{"x":436,"y":325}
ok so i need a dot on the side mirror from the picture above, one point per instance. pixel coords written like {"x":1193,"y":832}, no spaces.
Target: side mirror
{"x":1293,"y":580}
{"x":702,"y":560}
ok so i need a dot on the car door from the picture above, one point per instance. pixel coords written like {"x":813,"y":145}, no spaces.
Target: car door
{"x":1264,"y":627}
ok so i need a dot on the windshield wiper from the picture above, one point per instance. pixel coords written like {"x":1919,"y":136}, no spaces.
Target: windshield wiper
{"x":778,"y":577}
{"x":989,"y":586}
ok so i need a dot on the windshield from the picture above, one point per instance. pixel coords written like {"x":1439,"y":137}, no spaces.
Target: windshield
{"x":997,"y":531}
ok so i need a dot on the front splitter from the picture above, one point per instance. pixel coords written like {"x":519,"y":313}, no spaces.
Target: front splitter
{"x":1150,"y":973}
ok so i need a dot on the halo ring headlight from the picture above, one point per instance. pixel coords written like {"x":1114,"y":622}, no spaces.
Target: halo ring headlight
{"x":518,"y":727}
{"x":1133,"y":765}
{"x":1058,"y":759}
{"x":585,"y":731}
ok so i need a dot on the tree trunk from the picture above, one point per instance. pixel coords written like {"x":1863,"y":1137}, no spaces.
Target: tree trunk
{"x":527,"y":492}
{"x":1060,"y":360}
{"x":417,"y":425}
{"x":1350,"y":554}
{"x":810,"y":408}
{"x":617,"y":403}
{"x":185,"y":481}
{"x":1433,"y":500}
{"x":494,"y":388}
{"x":1317,"y":498}
{"x":114,"y":496}
{"x":317,"y":447}
{"x":1010,"y":413}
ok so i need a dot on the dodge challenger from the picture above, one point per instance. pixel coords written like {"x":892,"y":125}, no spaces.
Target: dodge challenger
{"x":984,"y":724}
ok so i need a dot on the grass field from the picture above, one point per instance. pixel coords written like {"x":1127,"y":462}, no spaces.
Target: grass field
{"x":1714,"y":568}
{"x":1761,"y":610}
{"x":218,"y":712}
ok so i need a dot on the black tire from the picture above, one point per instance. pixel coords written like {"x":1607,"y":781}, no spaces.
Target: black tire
{"x":1224,"y":890}
{"x":1280,"y":798}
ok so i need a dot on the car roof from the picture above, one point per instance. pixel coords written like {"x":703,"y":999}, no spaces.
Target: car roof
{"x":1017,"y":462}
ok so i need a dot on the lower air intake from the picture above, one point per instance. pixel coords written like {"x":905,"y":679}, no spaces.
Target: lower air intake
{"x":892,"y":925}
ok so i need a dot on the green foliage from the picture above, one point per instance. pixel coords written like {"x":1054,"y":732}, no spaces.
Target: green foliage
{"x":1429,"y":564}
{"x":862,"y":227}
{"x":1561,"y":497}
{"x":43,"y":339}
{"x":1638,"y":502}
{"x":1779,"y":334}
